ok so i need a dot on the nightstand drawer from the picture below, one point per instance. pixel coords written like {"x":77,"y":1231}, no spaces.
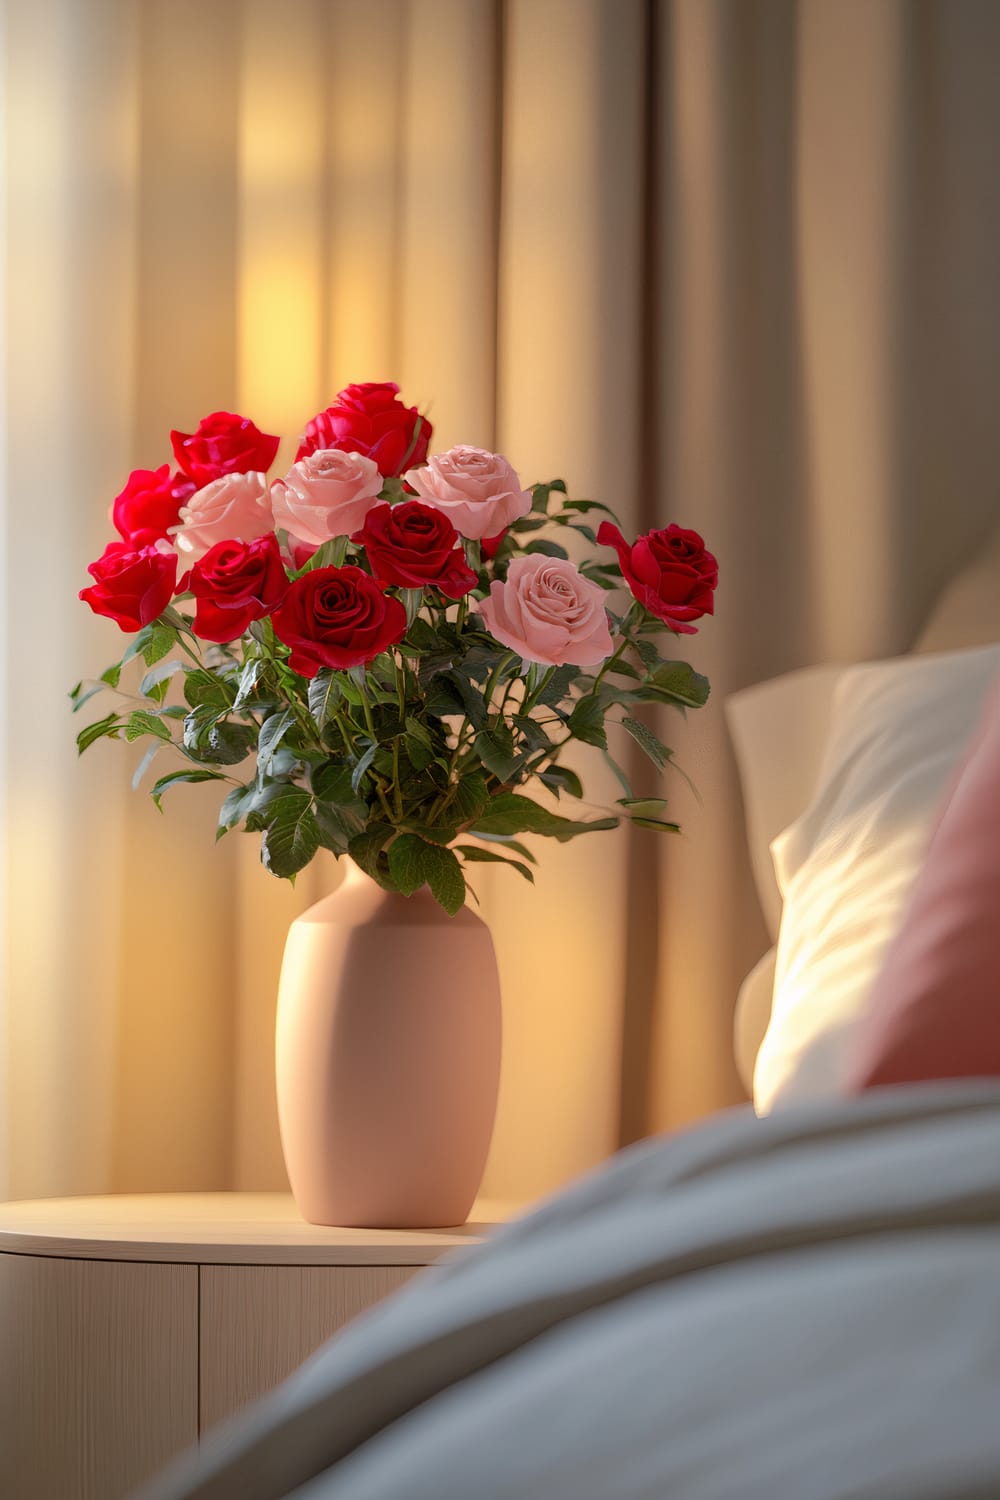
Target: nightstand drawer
{"x":258,"y":1323}
{"x":98,"y":1374}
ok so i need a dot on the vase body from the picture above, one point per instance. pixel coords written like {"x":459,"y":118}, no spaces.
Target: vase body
{"x":387,"y":1058}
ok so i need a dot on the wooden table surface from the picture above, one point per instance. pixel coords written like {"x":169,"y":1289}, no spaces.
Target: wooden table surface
{"x":221,"y":1228}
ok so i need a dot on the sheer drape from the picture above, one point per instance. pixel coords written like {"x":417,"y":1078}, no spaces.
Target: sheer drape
{"x":725,"y":263}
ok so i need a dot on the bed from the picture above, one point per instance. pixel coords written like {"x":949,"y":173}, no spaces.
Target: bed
{"x":800,"y":1304}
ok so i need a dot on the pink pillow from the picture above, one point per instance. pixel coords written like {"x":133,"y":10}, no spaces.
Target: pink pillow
{"x":935,"y":1008}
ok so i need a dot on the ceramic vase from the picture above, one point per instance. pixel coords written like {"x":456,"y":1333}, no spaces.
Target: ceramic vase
{"x":387,"y":1058}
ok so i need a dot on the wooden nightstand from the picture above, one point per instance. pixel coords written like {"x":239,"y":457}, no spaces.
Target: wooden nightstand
{"x":129,"y":1325}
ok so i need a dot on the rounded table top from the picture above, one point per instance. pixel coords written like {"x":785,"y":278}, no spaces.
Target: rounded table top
{"x":221,"y":1229}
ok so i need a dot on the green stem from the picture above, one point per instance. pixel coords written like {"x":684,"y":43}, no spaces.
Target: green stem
{"x":400,"y":689}
{"x":495,"y":675}
{"x":623,"y":646}
{"x":366,"y":706}
{"x":381,"y":797}
{"x":397,"y":794}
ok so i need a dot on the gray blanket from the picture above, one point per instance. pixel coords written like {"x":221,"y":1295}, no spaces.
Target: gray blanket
{"x":797,"y":1308}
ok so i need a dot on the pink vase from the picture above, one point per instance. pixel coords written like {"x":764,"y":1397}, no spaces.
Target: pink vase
{"x":388,"y":1058}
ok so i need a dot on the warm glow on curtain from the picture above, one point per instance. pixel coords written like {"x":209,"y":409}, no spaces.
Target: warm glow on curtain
{"x":726,"y":262}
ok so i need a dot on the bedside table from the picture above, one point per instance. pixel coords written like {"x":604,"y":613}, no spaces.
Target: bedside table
{"x":129,"y":1325}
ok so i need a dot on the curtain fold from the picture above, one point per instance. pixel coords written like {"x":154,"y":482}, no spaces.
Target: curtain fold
{"x":724,"y":262}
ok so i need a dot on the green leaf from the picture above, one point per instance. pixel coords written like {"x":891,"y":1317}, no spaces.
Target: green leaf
{"x":79,"y":698}
{"x":109,"y":725}
{"x":474,"y":705}
{"x":158,"y":675}
{"x":420,"y":747}
{"x":144,"y":764}
{"x":509,"y":843}
{"x":529,"y":523}
{"x":175,"y":778}
{"x":162,"y":638}
{"x":249,"y":677}
{"x":586,"y":722}
{"x":583,"y":530}
{"x":495,"y":748}
{"x":657,"y":825}
{"x":291,"y":837}
{"x":478,"y":856}
{"x":648,"y":742}
{"x":140,"y":722}
{"x":211,"y":738}
{"x":414,"y":863}
{"x":540,"y":493}
{"x":443,"y":697}
{"x":561,"y":779}
{"x":412,"y":600}
{"x":433,"y":662}
{"x":138,"y":644}
{"x":558,"y":685}
{"x":338,"y":825}
{"x":340,"y":815}
{"x":676,"y":681}
{"x":272,"y":732}
{"x":585,"y":505}
{"x":643,"y":807}
{"x":550,"y":549}
{"x":330,"y":555}
{"x":234,"y":809}
{"x":510,"y":813}
{"x":204,"y":689}
{"x":357,"y":775}
{"x":648,"y":654}
{"x":471,"y":796}
{"x":366,"y":848}
{"x":325,"y":692}
{"x":622,"y":779}
{"x":535,"y":737}
{"x":113,"y":675}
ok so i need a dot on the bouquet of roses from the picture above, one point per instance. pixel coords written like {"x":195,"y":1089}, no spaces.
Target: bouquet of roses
{"x":381,"y":652}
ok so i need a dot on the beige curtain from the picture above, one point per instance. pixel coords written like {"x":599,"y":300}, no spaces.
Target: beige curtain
{"x":726,"y":262}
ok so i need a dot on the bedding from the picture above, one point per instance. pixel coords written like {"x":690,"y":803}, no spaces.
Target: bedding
{"x":805,"y":1307}
{"x":847,"y":865}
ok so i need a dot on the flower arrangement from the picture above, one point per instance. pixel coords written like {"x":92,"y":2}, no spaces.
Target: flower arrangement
{"x":392,"y":647}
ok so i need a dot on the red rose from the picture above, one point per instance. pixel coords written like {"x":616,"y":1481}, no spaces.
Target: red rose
{"x":668,"y":571}
{"x":223,"y":444}
{"x":150,"y":504}
{"x":234,"y":583}
{"x":415,"y":546}
{"x":368,"y":419}
{"x":337,"y":617}
{"x":132,"y":586}
{"x":490,"y":545}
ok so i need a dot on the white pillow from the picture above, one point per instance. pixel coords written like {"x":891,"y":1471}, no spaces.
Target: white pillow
{"x":779,"y":730}
{"x":845,"y":867}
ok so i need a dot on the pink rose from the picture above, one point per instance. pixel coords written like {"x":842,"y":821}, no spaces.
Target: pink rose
{"x":478,"y":491}
{"x":548,"y":612}
{"x":235,"y":508}
{"x":328,"y":493}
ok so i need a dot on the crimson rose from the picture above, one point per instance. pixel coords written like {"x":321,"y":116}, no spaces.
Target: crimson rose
{"x":367,"y":418}
{"x":224,"y":443}
{"x":414,"y":546}
{"x":337,"y":617}
{"x":132,"y":586}
{"x":234,"y":583}
{"x":149,"y":504}
{"x":669,"y":571}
